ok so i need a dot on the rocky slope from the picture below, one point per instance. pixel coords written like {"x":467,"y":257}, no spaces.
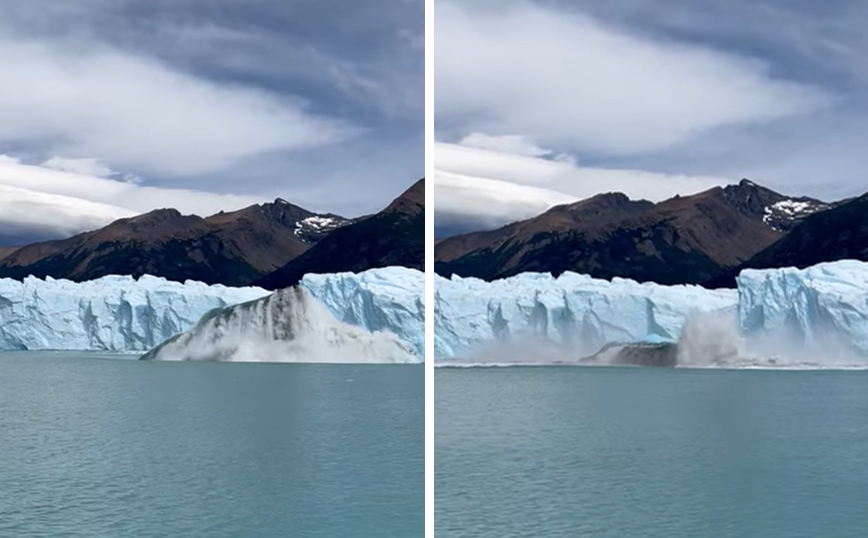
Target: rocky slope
{"x":393,"y":237}
{"x":683,"y":240}
{"x":840,"y":233}
{"x":232,"y":248}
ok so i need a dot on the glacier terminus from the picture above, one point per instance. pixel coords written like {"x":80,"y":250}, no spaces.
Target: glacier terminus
{"x":127,"y":315}
{"x":814,"y":317}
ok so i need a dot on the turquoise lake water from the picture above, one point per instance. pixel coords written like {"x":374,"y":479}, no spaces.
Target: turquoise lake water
{"x":631,"y":452}
{"x":114,"y":448}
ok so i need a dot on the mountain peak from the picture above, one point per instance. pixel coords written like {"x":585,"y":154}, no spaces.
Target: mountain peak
{"x":614,"y":199}
{"x":411,"y":201}
{"x":157,"y":217}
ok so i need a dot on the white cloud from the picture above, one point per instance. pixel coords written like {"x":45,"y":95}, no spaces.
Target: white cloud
{"x":84,"y":166}
{"x":62,"y":202}
{"x":136,"y":113}
{"x":515,"y":144}
{"x":567,"y":81}
{"x":52,"y":214}
{"x":488,"y":202}
{"x":494,"y":188}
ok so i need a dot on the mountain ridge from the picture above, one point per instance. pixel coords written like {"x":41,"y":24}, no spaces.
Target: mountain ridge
{"x":394,"y":236}
{"x":838,"y":233}
{"x":231,"y":248}
{"x":681,"y":240}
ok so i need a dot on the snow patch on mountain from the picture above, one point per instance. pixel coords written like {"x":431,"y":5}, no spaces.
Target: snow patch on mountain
{"x":316,"y":226}
{"x":788,"y":211}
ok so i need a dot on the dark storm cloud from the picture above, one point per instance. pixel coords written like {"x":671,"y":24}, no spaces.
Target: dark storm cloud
{"x":691,"y":93}
{"x":259,"y":98}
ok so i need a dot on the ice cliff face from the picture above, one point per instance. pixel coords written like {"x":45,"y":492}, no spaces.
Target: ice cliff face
{"x":119,"y":313}
{"x":571,"y":316}
{"x":389,"y":299}
{"x":818,"y":313}
{"x":815,"y":317}
{"x":113,"y":313}
{"x":287,"y":326}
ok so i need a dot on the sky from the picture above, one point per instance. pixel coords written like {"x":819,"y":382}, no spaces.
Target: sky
{"x":110,"y":108}
{"x":546,"y":102}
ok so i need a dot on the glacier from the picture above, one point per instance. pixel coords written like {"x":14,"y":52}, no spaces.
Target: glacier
{"x":287,"y":326}
{"x":814,"y":317}
{"x":123,"y":314}
{"x":571,"y":316}
{"x":386,"y":299}
{"x":112,"y":313}
{"x":817,"y":313}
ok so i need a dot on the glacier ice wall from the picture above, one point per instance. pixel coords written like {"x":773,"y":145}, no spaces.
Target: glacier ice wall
{"x":120,"y":313}
{"x":286,"y":326}
{"x":816,"y":313}
{"x":112,"y":313}
{"x":571,"y":316}
{"x":386,"y":299}
{"x":814,"y":317}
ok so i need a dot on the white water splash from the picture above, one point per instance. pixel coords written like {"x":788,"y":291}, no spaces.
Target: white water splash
{"x":287,"y":326}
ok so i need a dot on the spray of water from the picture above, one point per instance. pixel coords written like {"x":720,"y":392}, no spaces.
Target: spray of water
{"x":711,"y":339}
{"x":708,"y":340}
{"x":286,"y":326}
{"x":715,"y":340}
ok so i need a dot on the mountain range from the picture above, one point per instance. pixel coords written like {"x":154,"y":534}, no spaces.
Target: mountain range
{"x":394,"y":236}
{"x":703,"y":239}
{"x":235,"y":248}
{"x":839,"y":233}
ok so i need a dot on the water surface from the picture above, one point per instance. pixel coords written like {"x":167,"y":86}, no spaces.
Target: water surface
{"x":94,"y":447}
{"x":634,"y":452}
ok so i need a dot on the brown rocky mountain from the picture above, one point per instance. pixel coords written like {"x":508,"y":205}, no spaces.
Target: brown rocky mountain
{"x":5,"y":251}
{"x":837,"y":234}
{"x":233,"y":248}
{"x":394,"y":236}
{"x":689,"y":239}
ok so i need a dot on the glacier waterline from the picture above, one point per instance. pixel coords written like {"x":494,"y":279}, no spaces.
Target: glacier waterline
{"x":123,"y":314}
{"x":810,"y":318}
{"x":287,"y":326}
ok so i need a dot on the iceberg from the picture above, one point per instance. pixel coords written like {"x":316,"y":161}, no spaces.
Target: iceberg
{"x":286,"y":326}
{"x":568,"y":317}
{"x":112,"y":313}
